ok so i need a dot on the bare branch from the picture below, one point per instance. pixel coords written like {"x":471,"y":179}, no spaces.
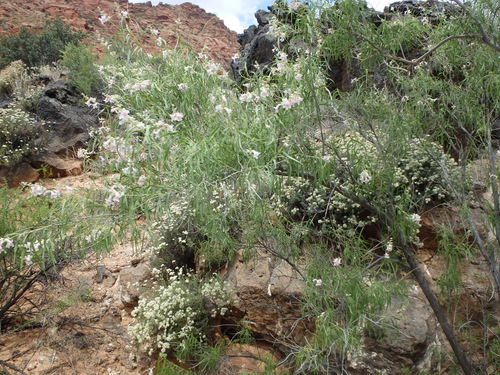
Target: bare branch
{"x":418,"y":60}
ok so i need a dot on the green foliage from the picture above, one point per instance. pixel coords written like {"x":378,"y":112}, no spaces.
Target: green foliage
{"x":37,"y":49}
{"x":83,"y":73}
{"x":455,"y":250}
{"x":339,"y":179}
{"x":166,"y":367}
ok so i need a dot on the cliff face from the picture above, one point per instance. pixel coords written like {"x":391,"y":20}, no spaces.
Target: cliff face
{"x":190,"y":23}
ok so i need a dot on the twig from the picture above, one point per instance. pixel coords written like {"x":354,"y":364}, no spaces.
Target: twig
{"x":12,"y":367}
{"x":418,"y":60}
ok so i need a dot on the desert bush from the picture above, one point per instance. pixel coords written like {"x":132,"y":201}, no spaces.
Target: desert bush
{"x":23,"y":260}
{"x":83,"y":74}
{"x":37,"y":49}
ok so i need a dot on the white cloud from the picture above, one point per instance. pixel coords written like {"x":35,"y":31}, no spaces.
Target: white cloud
{"x":236,"y":14}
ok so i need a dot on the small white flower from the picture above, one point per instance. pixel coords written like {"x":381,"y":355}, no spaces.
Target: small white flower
{"x":159,"y":41}
{"x":82,"y":153}
{"x":212,"y":69}
{"x":27,"y":260}
{"x":8,"y":243}
{"x":415,"y":218}
{"x":365,"y":177}
{"x":92,"y":103}
{"x":295,"y":5}
{"x":386,"y":255}
{"x":246,"y":97}
{"x":337,"y":262}
{"x":37,"y":190}
{"x":103,"y":19}
{"x":53,"y":194}
{"x":318,"y":282}
{"x":182,"y":87}
{"x":176,"y":116}
{"x":140,"y":125}
{"x":141,"y":180}
{"x":264,"y":93}
{"x":124,"y":14}
{"x":389,"y":248}
{"x":255,"y":154}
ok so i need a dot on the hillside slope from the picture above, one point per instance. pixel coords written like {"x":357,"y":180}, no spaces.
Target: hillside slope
{"x":187,"y":22}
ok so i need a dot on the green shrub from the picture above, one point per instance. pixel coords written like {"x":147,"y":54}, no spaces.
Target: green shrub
{"x":37,"y":49}
{"x":83,"y":73}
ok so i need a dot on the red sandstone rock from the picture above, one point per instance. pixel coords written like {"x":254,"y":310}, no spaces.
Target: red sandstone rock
{"x":190,"y":23}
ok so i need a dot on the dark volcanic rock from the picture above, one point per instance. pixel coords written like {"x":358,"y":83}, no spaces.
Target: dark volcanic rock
{"x":64,"y":128}
{"x":66,"y":123}
{"x":257,"y":46}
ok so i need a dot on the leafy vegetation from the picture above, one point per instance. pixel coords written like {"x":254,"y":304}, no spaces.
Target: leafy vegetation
{"x":37,"y":49}
{"x":83,"y":74}
{"x":340,"y":178}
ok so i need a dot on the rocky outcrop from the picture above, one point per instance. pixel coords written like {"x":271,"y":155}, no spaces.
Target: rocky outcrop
{"x":257,"y":47}
{"x":186,"y":23}
{"x":131,"y":284}
{"x":258,"y":44}
{"x":268,"y":292}
{"x":64,"y":127}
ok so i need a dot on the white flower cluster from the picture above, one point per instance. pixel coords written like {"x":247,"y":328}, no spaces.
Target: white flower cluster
{"x":290,"y":101}
{"x":416,"y":177}
{"x":6,"y":243}
{"x":37,"y":190}
{"x":178,"y":311}
{"x":118,"y":147}
{"x":116,"y":192}
{"x":278,"y":29}
{"x":31,"y":250}
{"x":175,"y":233}
{"x":16,"y":130}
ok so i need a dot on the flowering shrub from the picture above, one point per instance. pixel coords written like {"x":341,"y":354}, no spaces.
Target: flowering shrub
{"x":178,"y":238}
{"x":418,"y":177}
{"x":178,"y":311}
{"x":17,"y":135}
{"x":9,"y":76}
{"x":213,"y":168}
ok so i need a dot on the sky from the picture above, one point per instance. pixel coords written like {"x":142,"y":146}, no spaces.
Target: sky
{"x":239,"y":14}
